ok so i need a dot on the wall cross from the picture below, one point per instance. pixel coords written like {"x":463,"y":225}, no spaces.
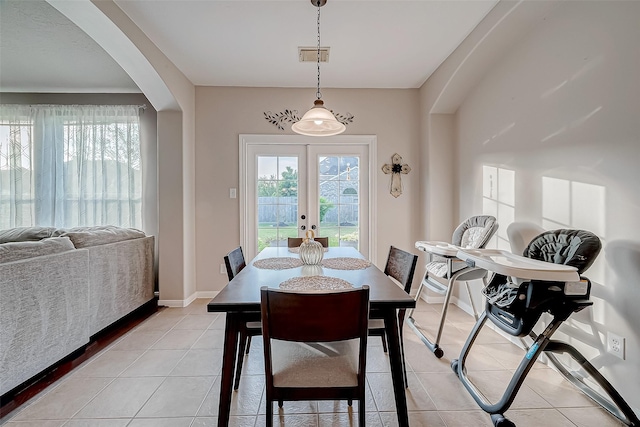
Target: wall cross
{"x":395,"y":169}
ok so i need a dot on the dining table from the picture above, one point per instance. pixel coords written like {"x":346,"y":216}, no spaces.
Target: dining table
{"x":281,"y":267}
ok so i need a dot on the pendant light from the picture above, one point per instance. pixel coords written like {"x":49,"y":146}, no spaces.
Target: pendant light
{"x":318,"y":121}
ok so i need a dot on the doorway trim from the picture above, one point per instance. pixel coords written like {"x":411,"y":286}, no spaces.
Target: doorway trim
{"x":369,"y":141}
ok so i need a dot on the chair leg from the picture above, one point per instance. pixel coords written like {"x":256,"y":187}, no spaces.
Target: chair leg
{"x":280,"y":403}
{"x":269,"y":413}
{"x":401,"y":314}
{"x":361,"y":413}
{"x":350,"y":402}
{"x":383,"y":337}
{"x":241,"y":345}
{"x":248,"y":344}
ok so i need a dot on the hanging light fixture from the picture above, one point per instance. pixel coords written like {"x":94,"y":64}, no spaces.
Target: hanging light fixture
{"x":318,"y":121}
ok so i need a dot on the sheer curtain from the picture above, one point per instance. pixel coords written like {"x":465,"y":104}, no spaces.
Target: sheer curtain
{"x":70,"y":165}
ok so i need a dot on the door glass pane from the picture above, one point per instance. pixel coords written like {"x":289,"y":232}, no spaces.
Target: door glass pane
{"x":277,"y":202}
{"x":338,"y":199}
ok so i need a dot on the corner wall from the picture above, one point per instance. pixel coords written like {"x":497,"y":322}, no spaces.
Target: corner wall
{"x":560,"y":110}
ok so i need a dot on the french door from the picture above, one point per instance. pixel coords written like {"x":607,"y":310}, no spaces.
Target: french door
{"x":293,"y":185}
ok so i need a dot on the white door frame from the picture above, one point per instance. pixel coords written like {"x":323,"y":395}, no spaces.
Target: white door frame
{"x":369,"y":141}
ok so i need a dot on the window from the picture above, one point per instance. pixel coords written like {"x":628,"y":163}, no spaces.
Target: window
{"x":70,"y":165}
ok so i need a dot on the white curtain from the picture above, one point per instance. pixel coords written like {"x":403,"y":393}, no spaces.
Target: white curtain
{"x":70,"y":165}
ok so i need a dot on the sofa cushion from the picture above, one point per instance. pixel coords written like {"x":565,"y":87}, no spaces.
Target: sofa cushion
{"x":25,"y":234}
{"x":83,"y":237}
{"x":15,"y":251}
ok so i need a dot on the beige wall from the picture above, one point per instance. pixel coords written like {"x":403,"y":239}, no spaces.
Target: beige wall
{"x":223,"y":113}
{"x":563,"y":103}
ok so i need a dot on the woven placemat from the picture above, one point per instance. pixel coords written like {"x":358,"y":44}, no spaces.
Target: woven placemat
{"x":315,"y":283}
{"x":278,"y":263}
{"x":345,"y":263}
{"x":297,"y":250}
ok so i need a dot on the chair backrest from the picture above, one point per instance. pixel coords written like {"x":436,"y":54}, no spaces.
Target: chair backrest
{"x":401,"y":265}
{"x":294,"y":242}
{"x":324,"y":241}
{"x":520,"y":234}
{"x":577,"y":248}
{"x":475,"y":232}
{"x":234,"y":261}
{"x":315,"y":317}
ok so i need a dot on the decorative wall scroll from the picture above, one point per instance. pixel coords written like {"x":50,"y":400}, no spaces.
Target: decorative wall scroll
{"x":281,"y":119}
{"x":395,"y":169}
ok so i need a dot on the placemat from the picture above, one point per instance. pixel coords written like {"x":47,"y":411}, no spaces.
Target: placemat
{"x":278,"y":263}
{"x":346,"y":263}
{"x":315,"y":283}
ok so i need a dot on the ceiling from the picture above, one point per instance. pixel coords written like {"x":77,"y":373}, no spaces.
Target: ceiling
{"x":374,"y":44}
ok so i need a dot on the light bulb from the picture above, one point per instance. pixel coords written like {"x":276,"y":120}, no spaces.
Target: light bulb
{"x":318,"y":122}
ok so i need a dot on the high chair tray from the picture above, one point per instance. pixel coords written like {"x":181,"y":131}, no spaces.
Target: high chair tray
{"x":508,"y":264}
{"x":438,"y":248}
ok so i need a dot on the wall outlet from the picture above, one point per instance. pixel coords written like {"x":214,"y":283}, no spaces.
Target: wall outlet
{"x":615,"y":345}
{"x":223,"y":269}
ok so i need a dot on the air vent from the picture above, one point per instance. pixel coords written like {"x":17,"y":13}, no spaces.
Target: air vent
{"x":310,"y":54}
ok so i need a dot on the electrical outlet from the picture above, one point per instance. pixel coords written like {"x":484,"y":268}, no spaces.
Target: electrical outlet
{"x":223,"y":269}
{"x":615,"y":345}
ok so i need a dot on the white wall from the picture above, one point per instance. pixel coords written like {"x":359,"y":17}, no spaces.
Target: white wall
{"x":222,"y":113}
{"x":561,"y":110}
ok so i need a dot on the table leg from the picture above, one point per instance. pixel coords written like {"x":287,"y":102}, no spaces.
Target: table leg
{"x":395,"y":360}
{"x":228,"y":367}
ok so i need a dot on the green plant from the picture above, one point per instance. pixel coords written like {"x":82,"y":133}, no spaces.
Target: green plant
{"x":325,"y":205}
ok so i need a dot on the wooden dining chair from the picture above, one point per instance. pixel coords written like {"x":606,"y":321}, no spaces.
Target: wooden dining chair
{"x":401,"y":265}
{"x":315,"y":346}
{"x":234,"y":261}
{"x":294,"y":242}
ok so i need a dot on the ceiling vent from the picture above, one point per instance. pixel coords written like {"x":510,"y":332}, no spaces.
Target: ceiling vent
{"x":310,"y":54}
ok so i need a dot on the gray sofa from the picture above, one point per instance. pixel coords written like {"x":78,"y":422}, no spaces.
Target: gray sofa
{"x":60,"y":287}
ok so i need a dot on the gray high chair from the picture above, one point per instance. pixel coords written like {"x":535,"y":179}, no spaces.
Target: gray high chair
{"x":444,"y":269}
{"x":547,"y":278}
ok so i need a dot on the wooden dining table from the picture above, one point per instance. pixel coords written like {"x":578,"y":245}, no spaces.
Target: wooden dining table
{"x":240,"y":300}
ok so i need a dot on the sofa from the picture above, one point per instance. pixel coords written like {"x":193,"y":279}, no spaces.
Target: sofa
{"x":60,"y":287}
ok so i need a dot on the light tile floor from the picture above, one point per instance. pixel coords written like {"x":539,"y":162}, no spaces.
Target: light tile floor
{"x":166,"y":372}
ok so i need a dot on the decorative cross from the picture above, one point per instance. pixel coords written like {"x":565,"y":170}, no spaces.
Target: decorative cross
{"x":396,"y":168}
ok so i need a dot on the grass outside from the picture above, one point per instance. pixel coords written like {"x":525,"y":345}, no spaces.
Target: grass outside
{"x":268,"y":234}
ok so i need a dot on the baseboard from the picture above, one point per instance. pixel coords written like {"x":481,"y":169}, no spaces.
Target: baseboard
{"x":179,"y":303}
{"x":207,"y":294}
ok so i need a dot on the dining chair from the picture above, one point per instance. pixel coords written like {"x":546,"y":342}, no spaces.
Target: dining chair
{"x":234,"y":261}
{"x":294,"y":242}
{"x":401,"y":265}
{"x":315,"y":346}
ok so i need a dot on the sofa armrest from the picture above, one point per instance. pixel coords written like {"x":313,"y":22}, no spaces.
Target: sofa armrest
{"x":121,"y":279}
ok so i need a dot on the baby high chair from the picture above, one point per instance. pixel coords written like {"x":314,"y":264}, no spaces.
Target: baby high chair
{"x":546,"y":279}
{"x":443,"y":269}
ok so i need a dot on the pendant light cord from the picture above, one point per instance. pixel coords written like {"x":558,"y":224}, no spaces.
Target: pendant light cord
{"x":318,"y":94}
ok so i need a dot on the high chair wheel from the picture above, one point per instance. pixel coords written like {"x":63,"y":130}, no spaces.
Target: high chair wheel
{"x":438,"y":352}
{"x":454,"y":365}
